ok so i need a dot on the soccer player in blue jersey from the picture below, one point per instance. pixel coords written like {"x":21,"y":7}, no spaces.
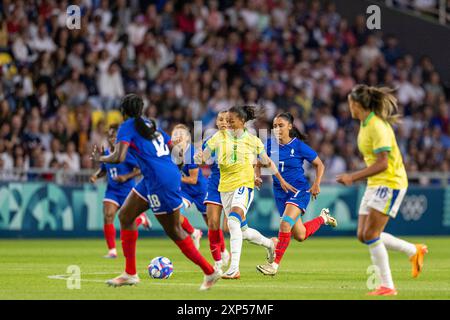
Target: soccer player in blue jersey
{"x":214,"y":205}
{"x":160,"y":190}
{"x":193,"y":183}
{"x":289,"y":151}
{"x":121,"y":180}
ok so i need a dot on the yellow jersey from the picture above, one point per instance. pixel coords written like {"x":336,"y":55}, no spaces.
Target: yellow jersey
{"x":235,"y":157}
{"x":376,"y":135}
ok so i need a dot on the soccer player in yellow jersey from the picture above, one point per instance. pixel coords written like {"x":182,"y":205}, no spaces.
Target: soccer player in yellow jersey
{"x":236,"y":152}
{"x":387,"y":182}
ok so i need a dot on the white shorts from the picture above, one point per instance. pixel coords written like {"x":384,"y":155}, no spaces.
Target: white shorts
{"x":382,"y":199}
{"x":241,"y":198}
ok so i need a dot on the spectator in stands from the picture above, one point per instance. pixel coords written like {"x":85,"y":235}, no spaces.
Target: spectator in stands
{"x":192,"y":60}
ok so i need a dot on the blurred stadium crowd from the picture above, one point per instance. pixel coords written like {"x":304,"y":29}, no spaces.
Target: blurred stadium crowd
{"x":60,"y":88}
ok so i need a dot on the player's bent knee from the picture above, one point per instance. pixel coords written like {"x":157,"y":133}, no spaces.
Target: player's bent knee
{"x":370,"y":235}
{"x":125,"y":220}
{"x":285,"y":226}
{"x":299,"y":237}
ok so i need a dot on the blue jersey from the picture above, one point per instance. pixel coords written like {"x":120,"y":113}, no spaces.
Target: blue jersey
{"x":114,"y":170}
{"x":153,"y":157}
{"x":189,"y":164}
{"x":290,"y":158}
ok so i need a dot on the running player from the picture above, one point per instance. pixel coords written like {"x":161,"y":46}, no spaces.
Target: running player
{"x":159,"y":189}
{"x":237,"y":151}
{"x":193,"y":183}
{"x":387,"y":182}
{"x":289,"y":151}
{"x":120,"y":182}
{"x":214,"y":206}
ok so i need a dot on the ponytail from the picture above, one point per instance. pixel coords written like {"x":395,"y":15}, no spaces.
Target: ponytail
{"x":246,"y":112}
{"x":294,"y":132}
{"x":131,"y":106}
{"x":146,"y":130}
{"x":379,"y":100}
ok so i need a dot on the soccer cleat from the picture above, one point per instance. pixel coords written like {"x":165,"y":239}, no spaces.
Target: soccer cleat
{"x":210,"y":280}
{"x":123,"y":280}
{"x":225,"y":258}
{"x":232,"y":274}
{"x":146,"y":223}
{"x":112,"y":254}
{"x":383,"y":291}
{"x":271,"y":250}
{"x":417,"y":260}
{"x":196,"y":236}
{"x":267,"y":269}
{"x":329,"y":220}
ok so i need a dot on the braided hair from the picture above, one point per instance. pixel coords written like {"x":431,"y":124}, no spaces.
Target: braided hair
{"x":131,"y":106}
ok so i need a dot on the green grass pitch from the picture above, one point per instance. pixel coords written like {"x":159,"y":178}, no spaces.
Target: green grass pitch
{"x":320,"y":268}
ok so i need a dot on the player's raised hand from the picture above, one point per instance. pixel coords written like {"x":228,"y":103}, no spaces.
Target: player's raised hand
{"x":95,"y":155}
{"x":198,"y":157}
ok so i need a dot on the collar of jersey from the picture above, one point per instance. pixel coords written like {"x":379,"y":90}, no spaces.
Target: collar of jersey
{"x":292,"y":140}
{"x":366,"y":121}
{"x":238,"y":138}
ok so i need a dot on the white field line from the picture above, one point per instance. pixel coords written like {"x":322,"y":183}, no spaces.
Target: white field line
{"x":222,"y":284}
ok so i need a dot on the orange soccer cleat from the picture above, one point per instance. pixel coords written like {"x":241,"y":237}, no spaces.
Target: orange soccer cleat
{"x":383,"y":291}
{"x":417,"y":260}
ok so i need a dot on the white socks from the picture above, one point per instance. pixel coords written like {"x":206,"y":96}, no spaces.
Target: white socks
{"x":380,"y":258}
{"x":235,"y":242}
{"x":396,"y":244}
{"x":255,"y":237}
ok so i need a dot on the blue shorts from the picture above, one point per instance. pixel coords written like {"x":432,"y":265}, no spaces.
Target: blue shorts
{"x":116,"y":197}
{"x":197,"y":200}
{"x":161,"y":201}
{"x":213,"y":194}
{"x":299,"y":199}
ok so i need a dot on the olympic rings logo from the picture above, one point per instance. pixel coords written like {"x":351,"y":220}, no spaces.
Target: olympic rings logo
{"x":414,"y":207}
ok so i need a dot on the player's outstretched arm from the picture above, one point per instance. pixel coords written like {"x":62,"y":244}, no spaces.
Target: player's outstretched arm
{"x":117,"y":156}
{"x":379,"y":166}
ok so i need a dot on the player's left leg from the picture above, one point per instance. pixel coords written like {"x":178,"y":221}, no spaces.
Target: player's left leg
{"x":134,"y":205}
{"x":290,"y":218}
{"x":375,"y":223}
{"x":301,"y":231}
{"x":110,"y":209}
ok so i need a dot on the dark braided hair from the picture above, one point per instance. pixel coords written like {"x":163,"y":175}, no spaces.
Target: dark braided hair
{"x":245,"y":113}
{"x":131,"y":106}
{"x":294,"y":132}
